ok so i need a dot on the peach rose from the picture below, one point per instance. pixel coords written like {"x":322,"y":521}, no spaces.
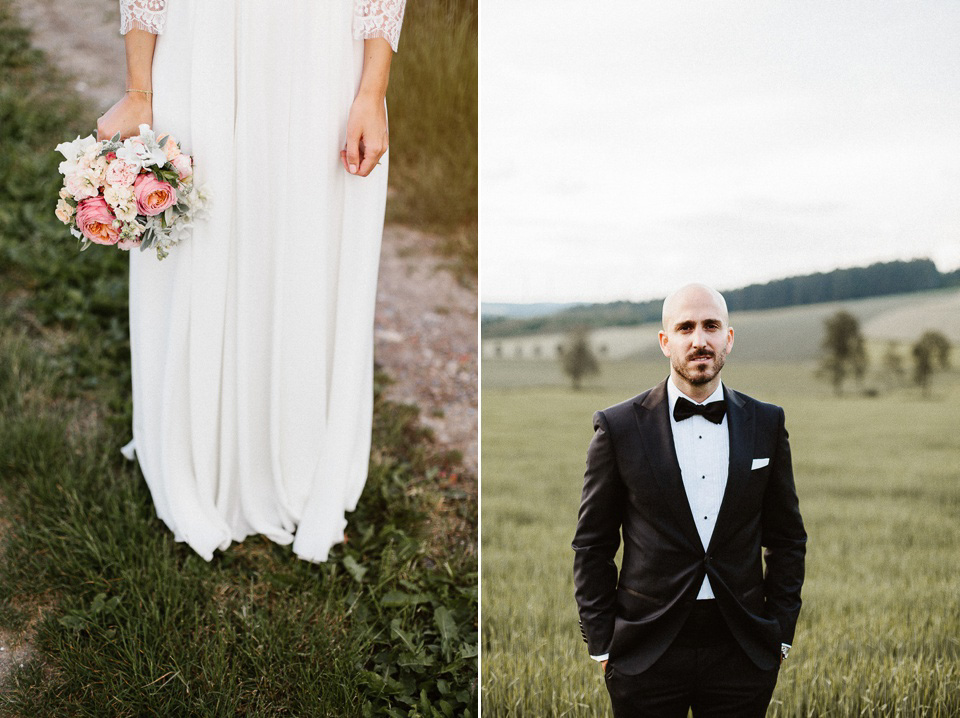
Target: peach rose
{"x":153,"y":196}
{"x":64,"y":211}
{"x":181,"y":163}
{"x":95,"y":221}
{"x":170,"y":148}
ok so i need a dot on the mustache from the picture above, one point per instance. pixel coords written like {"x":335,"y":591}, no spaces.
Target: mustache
{"x":701,"y":355}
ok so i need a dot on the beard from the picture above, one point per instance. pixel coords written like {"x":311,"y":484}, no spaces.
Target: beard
{"x":698,"y":374}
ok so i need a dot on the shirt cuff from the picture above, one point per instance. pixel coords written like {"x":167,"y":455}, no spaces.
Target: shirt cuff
{"x":604,"y":657}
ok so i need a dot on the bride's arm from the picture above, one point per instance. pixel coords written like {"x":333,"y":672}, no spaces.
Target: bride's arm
{"x":377,"y":23}
{"x":367,"y":139}
{"x":140,"y":22}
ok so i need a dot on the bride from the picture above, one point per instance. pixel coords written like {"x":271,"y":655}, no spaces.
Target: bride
{"x":252,"y":342}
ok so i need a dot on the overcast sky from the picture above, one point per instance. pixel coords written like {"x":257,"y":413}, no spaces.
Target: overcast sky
{"x":629,"y":147}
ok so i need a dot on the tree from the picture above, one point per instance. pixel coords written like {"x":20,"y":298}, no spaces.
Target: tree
{"x":577,"y":358}
{"x":893,"y":363}
{"x":845,"y":351}
{"x":939,"y":348}
{"x":922,"y":366}
{"x":932,"y":350}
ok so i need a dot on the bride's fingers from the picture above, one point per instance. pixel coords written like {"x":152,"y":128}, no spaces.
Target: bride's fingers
{"x":372,"y":152}
{"x":353,"y":150}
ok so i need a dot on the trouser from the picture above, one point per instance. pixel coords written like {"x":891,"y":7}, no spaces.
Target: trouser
{"x":704,"y":669}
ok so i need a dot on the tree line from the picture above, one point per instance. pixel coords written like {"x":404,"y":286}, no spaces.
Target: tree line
{"x":880,"y":279}
{"x":844,"y":356}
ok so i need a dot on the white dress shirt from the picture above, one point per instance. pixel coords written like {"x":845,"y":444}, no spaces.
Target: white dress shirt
{"x":703,"y":452}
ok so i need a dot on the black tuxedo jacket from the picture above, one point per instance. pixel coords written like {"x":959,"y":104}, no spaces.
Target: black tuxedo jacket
{"x":633,"y":484}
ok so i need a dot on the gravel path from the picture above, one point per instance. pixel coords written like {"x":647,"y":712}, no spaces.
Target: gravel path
{"x":426,"y":322}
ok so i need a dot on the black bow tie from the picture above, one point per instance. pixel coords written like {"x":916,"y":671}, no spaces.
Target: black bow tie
{"x":713,"y":411}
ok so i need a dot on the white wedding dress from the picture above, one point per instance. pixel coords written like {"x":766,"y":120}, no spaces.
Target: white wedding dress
{"x":252,"y":342}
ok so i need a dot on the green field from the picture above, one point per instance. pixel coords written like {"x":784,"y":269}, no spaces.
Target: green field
{"x":879,"y":486}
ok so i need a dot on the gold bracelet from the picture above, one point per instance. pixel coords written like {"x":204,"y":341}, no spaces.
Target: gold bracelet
{"x":145,"y":92}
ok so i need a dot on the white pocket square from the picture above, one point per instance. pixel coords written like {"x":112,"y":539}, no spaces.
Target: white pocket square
{"x":759,"y":463}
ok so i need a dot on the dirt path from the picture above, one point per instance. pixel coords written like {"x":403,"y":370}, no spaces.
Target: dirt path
{"x":426,"y":322}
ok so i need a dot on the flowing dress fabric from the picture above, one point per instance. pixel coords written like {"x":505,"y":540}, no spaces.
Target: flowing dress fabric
{"x":252,"y":342}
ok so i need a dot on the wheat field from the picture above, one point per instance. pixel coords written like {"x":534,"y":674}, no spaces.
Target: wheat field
{"x":879,"y":486}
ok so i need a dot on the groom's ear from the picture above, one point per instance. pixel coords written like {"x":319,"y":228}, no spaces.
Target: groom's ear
{"x":664,"y":346}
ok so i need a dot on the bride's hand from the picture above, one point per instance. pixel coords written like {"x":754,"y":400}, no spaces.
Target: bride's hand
{"x":366,"y":135}
{"x":126,"y":116}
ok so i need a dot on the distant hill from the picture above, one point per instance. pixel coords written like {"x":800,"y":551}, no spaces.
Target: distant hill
{"x":491,"y":310}
{"x":876,"y":280}
{"x":786,"y":334}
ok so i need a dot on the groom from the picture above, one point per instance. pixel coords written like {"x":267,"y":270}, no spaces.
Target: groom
{"x":697,"y":477}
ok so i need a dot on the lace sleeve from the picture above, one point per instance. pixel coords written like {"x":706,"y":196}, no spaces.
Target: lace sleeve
{"x":378,"y":18}
{"x":146,"y":15}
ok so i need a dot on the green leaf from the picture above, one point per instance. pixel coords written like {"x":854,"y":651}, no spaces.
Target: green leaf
{"x":354,"y":568}
{"x":447,"y":626}
{"x":392,"y":599}
{"x":72,"y":621}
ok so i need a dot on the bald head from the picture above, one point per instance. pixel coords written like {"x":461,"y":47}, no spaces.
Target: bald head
{"x":678,"y":304}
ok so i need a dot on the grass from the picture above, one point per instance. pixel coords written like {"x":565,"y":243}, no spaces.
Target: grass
{"x":433,"y":126}
{"x":123,"y":620}
{"x":879,"y":488}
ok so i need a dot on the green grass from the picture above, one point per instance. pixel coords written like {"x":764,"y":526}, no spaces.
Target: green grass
{"x":879,"y":486}
{"x":123,"y":620}
{"x":433,"y":125}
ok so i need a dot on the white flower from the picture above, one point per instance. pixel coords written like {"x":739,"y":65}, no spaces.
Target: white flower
{"x":142,"y":151}
{"x":118,"y":195}
{"x":81,"y":187}
{"x":72,"y":150}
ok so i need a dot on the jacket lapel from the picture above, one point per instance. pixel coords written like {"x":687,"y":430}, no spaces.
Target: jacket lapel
{"x":653,"y":420}
{"x":741,"y":428}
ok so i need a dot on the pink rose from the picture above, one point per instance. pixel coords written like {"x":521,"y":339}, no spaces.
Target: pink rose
{"x":95,"y":221}
{"x":153,"y":196}
{"x":170,"y":148}
{"x":183,"y":166}
{"x":121,"y":174}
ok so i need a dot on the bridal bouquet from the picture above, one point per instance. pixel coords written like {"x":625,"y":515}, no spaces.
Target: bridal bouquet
{"x":134,"y":193}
